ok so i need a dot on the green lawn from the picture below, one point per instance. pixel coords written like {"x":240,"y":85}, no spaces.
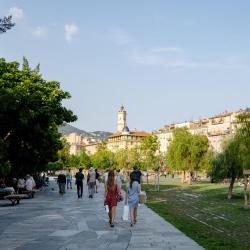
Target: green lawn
{"x":203,"y":213}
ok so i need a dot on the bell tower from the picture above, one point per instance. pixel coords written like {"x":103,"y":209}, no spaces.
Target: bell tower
{"x":121,"y":122}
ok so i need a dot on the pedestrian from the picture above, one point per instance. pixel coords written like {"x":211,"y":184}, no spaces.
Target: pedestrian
{"x":79,"y":182}
{"x":132,"y":197}
{"x":91,"y":182}
{"x":69,"y":179}
{"x":119,"y":178}
{"x":110,"y":196}
{"x":61,"y":180}
{"x":97,"y":178}
{"x":137,"y":174}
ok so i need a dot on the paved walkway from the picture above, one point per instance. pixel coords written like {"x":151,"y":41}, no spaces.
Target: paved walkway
{"x":51,"y":222}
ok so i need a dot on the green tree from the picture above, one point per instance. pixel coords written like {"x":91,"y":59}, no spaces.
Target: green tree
{"x":121,"y":158}
{"x":6,"y":24}
{"x":103,"y":159}
{"x":85,"y":159}
{"x":228,"y":164}
{"x":149,"y":147}
{"x":235,"y":156}
{"x":187,"y":152}
{"x":30,"y":112}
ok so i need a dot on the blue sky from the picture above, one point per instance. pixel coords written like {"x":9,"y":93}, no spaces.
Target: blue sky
{"x":165,"y":61}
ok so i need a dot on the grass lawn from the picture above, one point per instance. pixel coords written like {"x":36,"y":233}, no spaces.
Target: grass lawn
{"x":203,"y":213}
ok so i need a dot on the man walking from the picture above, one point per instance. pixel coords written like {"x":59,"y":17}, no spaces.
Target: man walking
{"x":91,"y":181}
{"x":79,"y":182}
{"x":69,"y":179}
{"x":97,"y":178}
{"x":61,"y":180}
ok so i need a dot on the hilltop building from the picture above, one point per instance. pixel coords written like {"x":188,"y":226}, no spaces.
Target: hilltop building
{"x":77,"y":143}
{"x":217,"y":128}
{"x":123,"y":138}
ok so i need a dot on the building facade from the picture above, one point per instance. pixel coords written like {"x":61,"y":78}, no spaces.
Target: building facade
{"x":123,"y":138}
{"x":216,"y":128}
{"x":75,"y":143}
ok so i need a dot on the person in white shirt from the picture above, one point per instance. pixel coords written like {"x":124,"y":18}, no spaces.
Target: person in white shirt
{"x":21,"y":184}
{"x":29,"y":183}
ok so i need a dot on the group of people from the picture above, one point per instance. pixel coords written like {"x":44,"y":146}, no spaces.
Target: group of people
{"x":19,"y":185}
{"x":112,"y":195}
{"x":93,"y":178}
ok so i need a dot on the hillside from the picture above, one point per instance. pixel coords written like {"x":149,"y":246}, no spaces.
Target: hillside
{"x":67,"y":129}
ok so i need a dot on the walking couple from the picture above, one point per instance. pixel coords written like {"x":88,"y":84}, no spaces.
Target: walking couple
{"x":91,"y":182}
{"x":113,"y":193}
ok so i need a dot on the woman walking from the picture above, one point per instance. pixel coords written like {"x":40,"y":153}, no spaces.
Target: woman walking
{"x":110,"y":196}
{"x":132,"y":198}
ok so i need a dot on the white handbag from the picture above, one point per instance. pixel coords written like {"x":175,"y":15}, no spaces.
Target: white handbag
{"x":125,"y":212}
{"x":107,"y":208}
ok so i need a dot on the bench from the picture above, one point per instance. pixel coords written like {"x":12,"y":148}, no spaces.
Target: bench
{"x":30,"y":194}
{"x":15,"y":198}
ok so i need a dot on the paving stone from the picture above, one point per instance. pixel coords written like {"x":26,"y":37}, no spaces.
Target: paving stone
{"x":52,"y":222}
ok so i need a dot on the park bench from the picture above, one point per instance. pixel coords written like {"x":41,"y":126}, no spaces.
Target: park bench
{"x":15,"y":198}
{"x":30,"y":194}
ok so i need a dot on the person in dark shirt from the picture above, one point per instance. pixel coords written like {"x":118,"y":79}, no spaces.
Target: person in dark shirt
{"x":137,"y":174}
{"x":61,"y":180}
{"x":79,"y":182}
{"x":97,"y":178}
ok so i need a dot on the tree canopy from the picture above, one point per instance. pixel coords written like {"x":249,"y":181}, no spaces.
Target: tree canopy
{"x":6,"y":24}
{"x":30,"y":112}
{"x":187,"y":152}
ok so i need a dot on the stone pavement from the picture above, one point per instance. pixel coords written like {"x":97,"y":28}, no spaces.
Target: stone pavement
{"x":51,"y":221}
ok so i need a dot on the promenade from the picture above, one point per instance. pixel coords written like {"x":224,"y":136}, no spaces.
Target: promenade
{"x":50,"y":221}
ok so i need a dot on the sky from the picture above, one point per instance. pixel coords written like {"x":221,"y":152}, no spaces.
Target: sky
{"x":165,"y":61}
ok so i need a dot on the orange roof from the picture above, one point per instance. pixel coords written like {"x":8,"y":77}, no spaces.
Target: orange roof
{"x":135,"y":133}
{"x":139,"y":133}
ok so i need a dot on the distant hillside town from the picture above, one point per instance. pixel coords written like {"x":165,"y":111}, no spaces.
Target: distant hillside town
{"x":217,"y":128}
{"x":79,"y":139}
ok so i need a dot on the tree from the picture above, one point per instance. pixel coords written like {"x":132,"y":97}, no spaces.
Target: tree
{"x":187,"y":152}
{"x":30,"y":112}
{"x":103,"y":159}
{"x":235,"y":156}
{"x":150,"y":157}
{"x":121,"y":158}
{"x":6,"y":24}
{"x":149,"y":147}
{"x":85,"y":159}
{"x":228,"y":164}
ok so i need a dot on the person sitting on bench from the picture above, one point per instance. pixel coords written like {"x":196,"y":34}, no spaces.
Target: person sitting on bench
{"x":29,"y":184}
{"x":21,"y":184}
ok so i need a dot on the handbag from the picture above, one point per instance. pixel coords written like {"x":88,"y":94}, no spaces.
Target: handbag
{"x":125,"y":212}
{"x":142,"y":197}
{"x":119,"y":196}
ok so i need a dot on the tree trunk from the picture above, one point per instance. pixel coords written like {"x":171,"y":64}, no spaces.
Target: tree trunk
{"x":147,"y":177}
{"x":245,"y":192}
{"x":230,"y":189}
{"x":158,"y":181}
{"x":155,"y":181}
{"x":190,"y":178}
{"x":183,"y":176}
